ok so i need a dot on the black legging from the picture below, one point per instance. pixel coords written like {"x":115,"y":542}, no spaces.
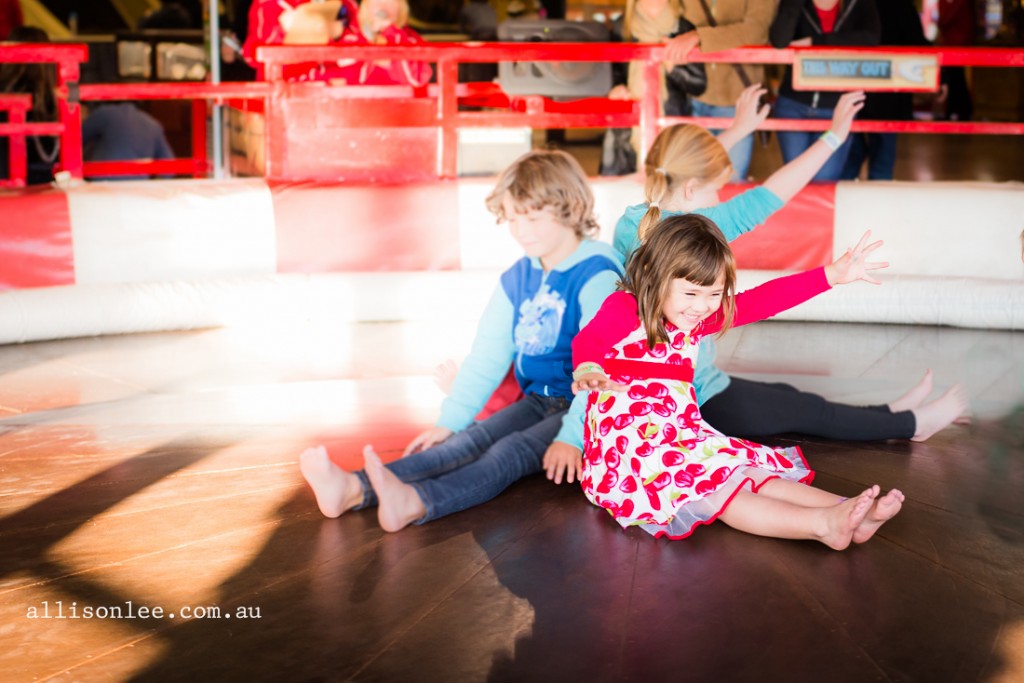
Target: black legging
{"x":749,"y":409}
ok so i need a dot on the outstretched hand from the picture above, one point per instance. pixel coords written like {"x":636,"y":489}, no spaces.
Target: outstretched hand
{"x":596,"y":381}
{"x":846,"y":108}
{"x":560,"y":460}
{"x":750,"y":113}
{"x":853,"y":265}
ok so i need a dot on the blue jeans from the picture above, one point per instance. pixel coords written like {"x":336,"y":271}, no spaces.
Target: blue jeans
{"x":795,"y":143}
{"x":741,"y":152}
{"x":475,"y":465}
{"x":880,"y":151}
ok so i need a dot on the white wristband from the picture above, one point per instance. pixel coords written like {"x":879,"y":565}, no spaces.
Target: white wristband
{"x":831,"y":139}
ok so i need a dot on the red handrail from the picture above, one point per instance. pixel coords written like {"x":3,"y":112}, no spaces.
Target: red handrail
{"x":646,"y":114}
{"x":17,"y":107}
{"x":535,"y":112}
{"x":67,"y":58}
{"x":197,"y":165}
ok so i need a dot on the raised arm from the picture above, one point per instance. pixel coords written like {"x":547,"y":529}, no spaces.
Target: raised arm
{"x":778,"y":295}
{"x":750,"y":113}
{"x":781,"y":294}
{"x":795,"y":175}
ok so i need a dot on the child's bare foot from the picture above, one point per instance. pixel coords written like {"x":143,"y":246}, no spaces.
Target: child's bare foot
{"x":444,"y":375}
{"x":881,"y":511}
{"x":842,"y":520}
{"x":398,"y":504}
{"x":915,"y":397}
{"x":939,"y":414}
{"x":336,"y":490}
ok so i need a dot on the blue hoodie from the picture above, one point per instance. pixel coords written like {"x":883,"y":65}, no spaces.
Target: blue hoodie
{"x":530,"y":320}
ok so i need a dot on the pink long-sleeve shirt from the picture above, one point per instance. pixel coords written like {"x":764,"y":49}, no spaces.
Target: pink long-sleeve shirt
{"x":619,"y":316}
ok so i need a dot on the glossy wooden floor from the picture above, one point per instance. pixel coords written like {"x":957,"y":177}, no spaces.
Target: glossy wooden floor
{"x":161,"y":470}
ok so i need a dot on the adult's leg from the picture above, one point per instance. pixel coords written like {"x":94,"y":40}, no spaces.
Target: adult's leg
{"x":881,"y":156}
{"x":751,"y":409}
{"x":741,"y":152}
{"x":792,"y":143}
{"x":832,"y":169}
{"x":855,"y":159}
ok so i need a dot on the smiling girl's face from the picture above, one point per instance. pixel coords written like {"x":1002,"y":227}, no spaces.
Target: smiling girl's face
{"x":688,"y":304}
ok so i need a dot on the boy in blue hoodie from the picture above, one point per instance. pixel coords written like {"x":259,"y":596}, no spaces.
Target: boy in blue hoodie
{"x":540,"y":304}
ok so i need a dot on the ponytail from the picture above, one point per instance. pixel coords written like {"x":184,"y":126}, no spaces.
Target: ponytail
{"x":679,"y":153}
{"x":656,"y":190}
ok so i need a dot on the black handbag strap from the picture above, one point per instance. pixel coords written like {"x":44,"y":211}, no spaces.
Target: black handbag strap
{"x":740,"y":71}
{"x":762,"y":135}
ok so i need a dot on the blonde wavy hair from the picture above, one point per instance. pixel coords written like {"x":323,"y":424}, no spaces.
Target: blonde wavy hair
{"x":547,"y":179}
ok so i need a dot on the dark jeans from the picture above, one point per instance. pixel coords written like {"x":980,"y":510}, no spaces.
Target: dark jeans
{"x":475,"y":465}
{"x":795,"y":143}
{"x":749,"y":409}
{"x":880,"y":151}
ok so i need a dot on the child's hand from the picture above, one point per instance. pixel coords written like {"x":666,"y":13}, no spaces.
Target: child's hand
{"x":596,"y":381}
{"x":426,"y":439}
{"x":853,"y":265}
{"x":842,"y":116}
{"x":748,"y":114}
{"x":561,"y":458}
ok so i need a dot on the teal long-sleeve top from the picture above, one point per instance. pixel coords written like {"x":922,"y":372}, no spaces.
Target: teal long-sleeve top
{"x":734,"y":217}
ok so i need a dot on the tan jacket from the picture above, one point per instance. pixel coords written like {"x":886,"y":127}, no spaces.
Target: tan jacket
{"x":740,"y":23}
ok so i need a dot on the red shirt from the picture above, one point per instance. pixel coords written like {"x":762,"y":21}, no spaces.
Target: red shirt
{"x":827,"y":17}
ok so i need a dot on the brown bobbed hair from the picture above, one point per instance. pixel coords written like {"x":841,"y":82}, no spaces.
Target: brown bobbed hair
{"x":690,"y":247}
{"x":679,"y":153}
{"x":547,"y":179}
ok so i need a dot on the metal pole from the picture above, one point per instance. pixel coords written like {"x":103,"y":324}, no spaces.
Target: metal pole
{"x":216,"y":120}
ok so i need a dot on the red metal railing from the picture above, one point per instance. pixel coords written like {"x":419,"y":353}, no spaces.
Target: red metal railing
{"x":68,"y":126}
{"x":537,"y":112}
{"x":17,"y":107}
{"x":201,"y":95}
{"x":533,"y":112}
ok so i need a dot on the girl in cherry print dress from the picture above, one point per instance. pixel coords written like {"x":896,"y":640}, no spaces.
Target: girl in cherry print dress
{"x":649,"y":458}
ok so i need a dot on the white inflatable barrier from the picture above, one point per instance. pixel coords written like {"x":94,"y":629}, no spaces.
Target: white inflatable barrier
{"x":954,"y":248}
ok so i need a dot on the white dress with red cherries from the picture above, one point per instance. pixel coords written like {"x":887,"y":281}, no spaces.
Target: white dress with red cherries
{"x":649,"y":458}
